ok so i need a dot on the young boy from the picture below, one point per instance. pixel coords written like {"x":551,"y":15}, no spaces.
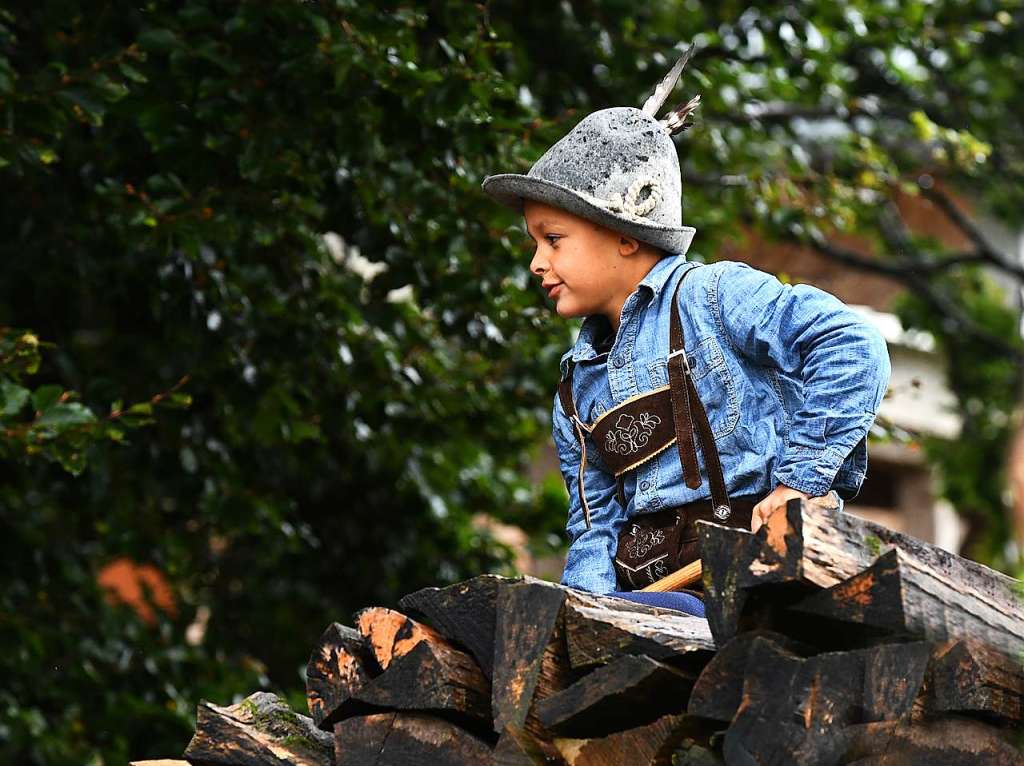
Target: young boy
{"x":777,"y":384}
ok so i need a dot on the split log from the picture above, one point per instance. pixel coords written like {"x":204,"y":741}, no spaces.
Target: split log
{"x":629,"y":692}
{"x":894,"y":676}
{"x":600,"y":629}
{"x":159,"y":762}
{"x":946,"y":742}
{"x":391,"y":634}
{"x":432,"y":677}
{"x":718,"y":690}
{"x":261,"y":730}
{"x":970,"y":677}
{"x":405,"y":739}
{"x":339,"y":666}
{"x":530,"y":658}
{"x":791,"y":707}
{"x":728,"y":555}
{"x":900,"y":594}
{"x":664,"y":742}
{"x":464,"y":613}
{"x":821,"y":548}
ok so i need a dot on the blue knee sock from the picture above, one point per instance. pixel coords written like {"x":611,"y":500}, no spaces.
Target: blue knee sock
{"x":681,"y":602}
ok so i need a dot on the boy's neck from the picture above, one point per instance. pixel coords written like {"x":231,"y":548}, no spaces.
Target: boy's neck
{"x":614,"y":313}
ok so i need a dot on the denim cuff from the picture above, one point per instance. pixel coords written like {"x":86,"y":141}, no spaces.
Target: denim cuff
{"x":810,"y":470}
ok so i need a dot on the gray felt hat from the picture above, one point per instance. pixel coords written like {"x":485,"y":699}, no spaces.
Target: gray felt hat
{"x":618,"y":167}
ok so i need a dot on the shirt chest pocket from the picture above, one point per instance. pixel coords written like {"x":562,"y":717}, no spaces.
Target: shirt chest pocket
{"x":714,"y":383}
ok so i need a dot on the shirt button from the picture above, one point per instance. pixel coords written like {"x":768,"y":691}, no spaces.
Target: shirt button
{"x":619,"y":361}
{"x":645,"y":485}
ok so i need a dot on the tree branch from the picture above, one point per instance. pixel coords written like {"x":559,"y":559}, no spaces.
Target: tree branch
{"x":985,"y":250}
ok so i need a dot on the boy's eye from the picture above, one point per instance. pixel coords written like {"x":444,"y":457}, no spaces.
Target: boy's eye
{"x":552,"y":238}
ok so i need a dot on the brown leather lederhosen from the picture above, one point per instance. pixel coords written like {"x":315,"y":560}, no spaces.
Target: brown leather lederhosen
{"x":653,"y":545}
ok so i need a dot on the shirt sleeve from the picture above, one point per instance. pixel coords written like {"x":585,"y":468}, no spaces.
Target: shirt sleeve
{"x":588,"y":564}
{"x":812,"y":336}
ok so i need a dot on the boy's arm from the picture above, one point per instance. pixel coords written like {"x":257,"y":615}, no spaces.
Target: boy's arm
{"x":588,"y":565}
{"x":810,"y":334}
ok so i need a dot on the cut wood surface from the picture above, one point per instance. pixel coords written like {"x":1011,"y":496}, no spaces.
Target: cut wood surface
{"x":970,"y":677}
{"x":340,"y":665}
{"x":793,"y":708}
{"x":727,"y":554}
{"x":530,"y":658}
{"x":432,"y":677}
{"x":949,"y":742}
{"x":600,"y":629}
{"x":406,"y":739}
{"x":391,"y":634}
{"x":894,"y":675}
{"x":465,"y":613}
{"x":261,"y":730}
{"x":518,"y":747}
{"x":718,"y":691}
{"x":626,"y":693}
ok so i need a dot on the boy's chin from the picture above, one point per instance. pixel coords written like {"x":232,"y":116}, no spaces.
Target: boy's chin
{"x":567,"y":310}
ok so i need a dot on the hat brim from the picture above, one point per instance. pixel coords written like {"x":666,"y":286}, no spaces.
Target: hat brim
{"x":511,"y":189}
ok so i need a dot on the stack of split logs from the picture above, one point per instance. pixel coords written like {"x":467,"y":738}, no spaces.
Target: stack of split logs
{"x":829,"y":640}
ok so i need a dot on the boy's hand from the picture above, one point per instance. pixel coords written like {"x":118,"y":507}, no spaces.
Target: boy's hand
{"x":777,"y":499}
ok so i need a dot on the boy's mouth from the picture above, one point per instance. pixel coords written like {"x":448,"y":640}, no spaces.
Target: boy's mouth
{"x":552,"y":289}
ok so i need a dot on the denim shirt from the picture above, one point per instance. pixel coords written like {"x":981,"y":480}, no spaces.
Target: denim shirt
{"x":790,"y":377}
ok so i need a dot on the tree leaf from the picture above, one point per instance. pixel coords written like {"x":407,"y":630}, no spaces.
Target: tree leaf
{"x":65,"y":415}
{"x":12,"y":397}
{"x":46,"y":396}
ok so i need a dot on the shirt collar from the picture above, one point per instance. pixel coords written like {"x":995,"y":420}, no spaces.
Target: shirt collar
{"x":595,"y":327}
{"x":658,"y":276}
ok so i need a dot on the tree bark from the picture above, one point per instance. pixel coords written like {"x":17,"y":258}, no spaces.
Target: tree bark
{"x":261,"y":730}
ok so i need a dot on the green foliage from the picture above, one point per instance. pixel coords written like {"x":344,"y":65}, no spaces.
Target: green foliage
{"x":971,"y":470}
{"x":49,"y":421}
{"x":357,"y":398}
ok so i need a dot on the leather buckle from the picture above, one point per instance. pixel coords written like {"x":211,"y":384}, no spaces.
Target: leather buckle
{"x":686,"y":362}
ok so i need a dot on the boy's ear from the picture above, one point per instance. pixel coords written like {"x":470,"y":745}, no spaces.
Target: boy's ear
{"x":628,"y":245}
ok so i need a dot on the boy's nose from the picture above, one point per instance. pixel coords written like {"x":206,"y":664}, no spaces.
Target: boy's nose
{"x":539,"y":264}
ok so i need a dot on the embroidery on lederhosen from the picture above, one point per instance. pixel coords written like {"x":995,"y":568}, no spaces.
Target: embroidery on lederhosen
{"x":631,"y":434}
{"x":635,"y":431}
{"x":642,"y":541}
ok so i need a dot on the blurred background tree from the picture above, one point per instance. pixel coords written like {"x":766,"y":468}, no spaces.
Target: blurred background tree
{"x":281,"y":201}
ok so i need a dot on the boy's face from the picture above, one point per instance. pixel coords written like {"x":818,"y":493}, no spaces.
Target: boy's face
{"x":581,"y":264}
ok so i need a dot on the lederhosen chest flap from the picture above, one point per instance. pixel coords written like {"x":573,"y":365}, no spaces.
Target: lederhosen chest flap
{"x":635,"y":431}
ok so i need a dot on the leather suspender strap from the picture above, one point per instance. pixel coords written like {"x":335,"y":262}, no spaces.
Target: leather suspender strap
{"x":682,"y":410}
{"x":569,"y":407}
{"x":688,"y":411}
